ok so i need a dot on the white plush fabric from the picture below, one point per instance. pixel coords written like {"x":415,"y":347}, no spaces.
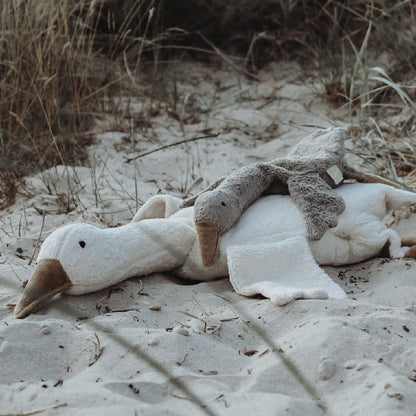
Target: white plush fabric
{"x":265,"y":252}
{"x":95,"y":258}
{"x":292,"y":274}
{"x":361,"y":232}
{"x":160,"y":206}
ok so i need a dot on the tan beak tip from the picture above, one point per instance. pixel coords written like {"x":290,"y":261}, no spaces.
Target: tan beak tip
{"x":208,"y":261}
{"x":24,"y":308}
{"x":28,"y":305}
{"x":49,"y":278}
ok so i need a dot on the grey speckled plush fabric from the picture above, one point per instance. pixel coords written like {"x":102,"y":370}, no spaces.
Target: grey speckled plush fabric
{"x":308,"y":173}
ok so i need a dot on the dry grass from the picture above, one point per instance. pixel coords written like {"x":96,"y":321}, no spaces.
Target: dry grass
{"x":54,"y":67}
{"x":46,"y":75}
{"x":60,"y":58}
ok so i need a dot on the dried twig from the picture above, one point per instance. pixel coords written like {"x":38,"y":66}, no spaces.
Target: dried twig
{"x":98,"y":351}
{"x":200,"y":307}
{"x":179,"y":363}
{"x":171,"y":145}
{"x":124,"y":310}
{"x":195,"y":317}
{"x":34,"y":412}
{"x":38,"y":240}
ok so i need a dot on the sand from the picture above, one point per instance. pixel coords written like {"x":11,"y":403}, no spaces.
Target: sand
{"x":158,"y":345}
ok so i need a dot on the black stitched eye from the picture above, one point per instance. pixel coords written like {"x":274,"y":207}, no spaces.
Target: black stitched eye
{"x":223,"y":204}
{"x":82,"y":244}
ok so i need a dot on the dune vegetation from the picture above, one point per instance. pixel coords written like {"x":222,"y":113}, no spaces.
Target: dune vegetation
{"x":63,"y":62}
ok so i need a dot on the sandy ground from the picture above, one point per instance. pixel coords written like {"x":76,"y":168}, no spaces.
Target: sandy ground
{"x":158,"y":345}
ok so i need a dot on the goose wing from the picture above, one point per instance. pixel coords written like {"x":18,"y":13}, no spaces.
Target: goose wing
{"x":281,"y":271}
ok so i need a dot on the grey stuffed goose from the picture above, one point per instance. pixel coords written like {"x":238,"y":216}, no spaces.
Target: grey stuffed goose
{"x":308,"y":173}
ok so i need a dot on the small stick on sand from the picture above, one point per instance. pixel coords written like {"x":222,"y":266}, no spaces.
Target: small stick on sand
{"x":171,"y":145}
{"x":98,"y":351}
{"x":34,"y":412}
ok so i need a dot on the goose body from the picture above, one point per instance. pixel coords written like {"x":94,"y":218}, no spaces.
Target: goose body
{"x":308,"y":173}
{"x":266,"y":251}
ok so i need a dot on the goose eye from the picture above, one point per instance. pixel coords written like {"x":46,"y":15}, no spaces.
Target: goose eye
{"x":82,"y":244}
{"x":223,"y":204}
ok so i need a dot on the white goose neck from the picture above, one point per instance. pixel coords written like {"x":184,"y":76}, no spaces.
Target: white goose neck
{"x":96,"y":258}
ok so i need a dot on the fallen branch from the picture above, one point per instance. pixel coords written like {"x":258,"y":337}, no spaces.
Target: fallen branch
{"x":171,"y":145}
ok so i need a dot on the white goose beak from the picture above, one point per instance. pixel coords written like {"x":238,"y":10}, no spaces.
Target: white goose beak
{"x":48,"y":279}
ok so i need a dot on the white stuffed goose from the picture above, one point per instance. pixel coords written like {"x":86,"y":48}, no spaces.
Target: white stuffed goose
{"x":266,"y":251}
